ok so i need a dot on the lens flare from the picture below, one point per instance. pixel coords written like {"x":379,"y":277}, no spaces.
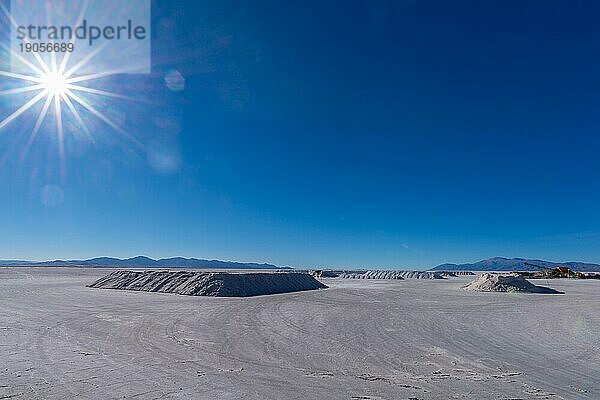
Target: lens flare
{"x":60,"y":90}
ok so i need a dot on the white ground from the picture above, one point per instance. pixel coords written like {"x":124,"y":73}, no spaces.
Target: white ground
{"x":411,"y":339}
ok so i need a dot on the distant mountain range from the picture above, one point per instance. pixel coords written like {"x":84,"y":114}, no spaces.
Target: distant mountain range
{"x":516,"y":264}
{"x":491,"y":264}
{"x":141,"y":262}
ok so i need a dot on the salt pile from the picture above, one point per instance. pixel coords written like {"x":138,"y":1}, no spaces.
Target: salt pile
{"x":324,"y":274}
{"x":390,"y":275}
{"x":370,"y":275}
{"x":421,"y":275}
{"x":487,"y":282}
{"x":220,"y":284}
{"x":455,"y":273}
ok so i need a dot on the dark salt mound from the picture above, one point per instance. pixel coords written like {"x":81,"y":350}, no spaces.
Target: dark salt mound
{"x":487,"y":282}
{"x":219,"y":284}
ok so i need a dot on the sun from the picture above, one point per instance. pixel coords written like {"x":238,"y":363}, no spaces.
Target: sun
{"x":60,"y":90}
{"x":52,"y":86}
{"x":63,"y":91}
{"x":54,"y":83}
{"x":62,"y":94}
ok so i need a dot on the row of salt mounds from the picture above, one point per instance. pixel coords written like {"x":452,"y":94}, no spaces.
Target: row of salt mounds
{"x":370,"y":275}
{"x":421,"y":275}
{"x":221,"y":284}
{"x":390,"y":275}
{"x":487,"y":282}
{"x":456,"y":273}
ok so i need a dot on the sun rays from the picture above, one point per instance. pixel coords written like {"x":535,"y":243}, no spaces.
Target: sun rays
{"x":59,"y":89}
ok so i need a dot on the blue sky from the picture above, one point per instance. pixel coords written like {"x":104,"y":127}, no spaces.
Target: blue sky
{"x":364,"y":133}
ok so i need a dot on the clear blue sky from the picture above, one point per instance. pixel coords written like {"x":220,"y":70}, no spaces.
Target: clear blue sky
{"x":343,"y":134}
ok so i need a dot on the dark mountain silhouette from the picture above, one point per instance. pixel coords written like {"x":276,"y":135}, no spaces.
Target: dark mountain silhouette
{"x":516,"y":264}
{"x":143,"y":262}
